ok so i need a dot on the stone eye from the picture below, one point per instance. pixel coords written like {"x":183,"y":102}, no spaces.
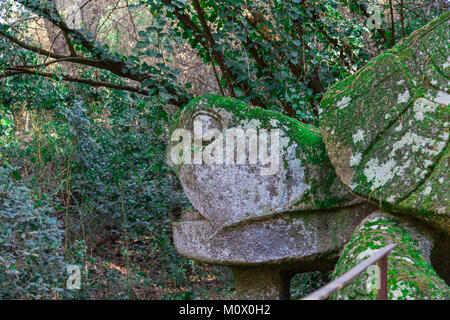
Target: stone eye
{"x":208,"y":122}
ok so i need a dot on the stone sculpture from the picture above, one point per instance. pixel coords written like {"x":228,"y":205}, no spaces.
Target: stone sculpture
{"x":271,"y":207}
{"x":267,"y":227}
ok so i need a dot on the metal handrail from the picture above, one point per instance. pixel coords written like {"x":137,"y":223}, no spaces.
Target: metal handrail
{"x":380,"y":256}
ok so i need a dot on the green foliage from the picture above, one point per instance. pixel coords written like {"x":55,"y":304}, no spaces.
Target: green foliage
{"x":31,"y":261}
{"x":280,"y":56}
{"x":408,"y":17}
{"x":83,"y":178}
{"x":304,"y":283}
{"x":104,"y":150}
{"x":121,"y":154}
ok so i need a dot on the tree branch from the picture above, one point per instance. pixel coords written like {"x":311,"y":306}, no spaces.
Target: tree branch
{"x":210,"y":44}
{"x":103,"y":58}
{"x":11,"y":71}
{"x":391,"y":9}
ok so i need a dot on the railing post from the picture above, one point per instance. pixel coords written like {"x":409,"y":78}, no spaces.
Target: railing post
{"x":379,"y":257}
{"x":383,"y":292}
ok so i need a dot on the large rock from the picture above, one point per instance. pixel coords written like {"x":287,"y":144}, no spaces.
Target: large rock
{"x":386,"y":128}
{"x":410,"y":273}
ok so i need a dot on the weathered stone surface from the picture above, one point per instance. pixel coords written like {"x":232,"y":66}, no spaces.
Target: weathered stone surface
{"x":306,"y":238}
{"x":386,"y":128}
{"x":266,"y":227}
{"x":261,"y":283}
{"x":410,"y":274}
{"x":228,"y":194}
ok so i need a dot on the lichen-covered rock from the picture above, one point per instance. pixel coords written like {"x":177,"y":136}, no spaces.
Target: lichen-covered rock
{"x":226,"y":194}
{"x":386,"y":128}
{"x":410,"y":274}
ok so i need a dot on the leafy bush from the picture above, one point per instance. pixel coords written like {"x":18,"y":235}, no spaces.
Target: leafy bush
{"x":31,"y":256}
{"x":304,"y":283}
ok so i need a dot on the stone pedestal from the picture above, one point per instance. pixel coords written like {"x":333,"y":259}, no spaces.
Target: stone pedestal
{"x":261,"y":283}
{"x":293,"y":238}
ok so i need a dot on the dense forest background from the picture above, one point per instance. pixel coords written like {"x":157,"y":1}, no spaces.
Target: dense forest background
{"x":87,"y":88}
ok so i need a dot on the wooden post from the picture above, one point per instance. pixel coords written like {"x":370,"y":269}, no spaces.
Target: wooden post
{"x":379,"y":257}
{"x":261,"y":282}
{"x":383,"y":292}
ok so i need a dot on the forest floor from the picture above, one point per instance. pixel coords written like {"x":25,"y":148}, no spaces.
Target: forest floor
{"x":148,"y":275}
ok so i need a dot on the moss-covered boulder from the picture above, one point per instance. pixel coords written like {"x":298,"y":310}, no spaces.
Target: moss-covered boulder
{"x":386,"y":127}
{"x":227,"y":193}
{"x":410,"y":273}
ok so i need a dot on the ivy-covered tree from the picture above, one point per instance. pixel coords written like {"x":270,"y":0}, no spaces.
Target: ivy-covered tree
{"x":276,"y":54}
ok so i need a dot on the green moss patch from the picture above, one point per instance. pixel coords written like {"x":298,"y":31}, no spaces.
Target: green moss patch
{"x":410,"y":274}
{"x":386,"y":128}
